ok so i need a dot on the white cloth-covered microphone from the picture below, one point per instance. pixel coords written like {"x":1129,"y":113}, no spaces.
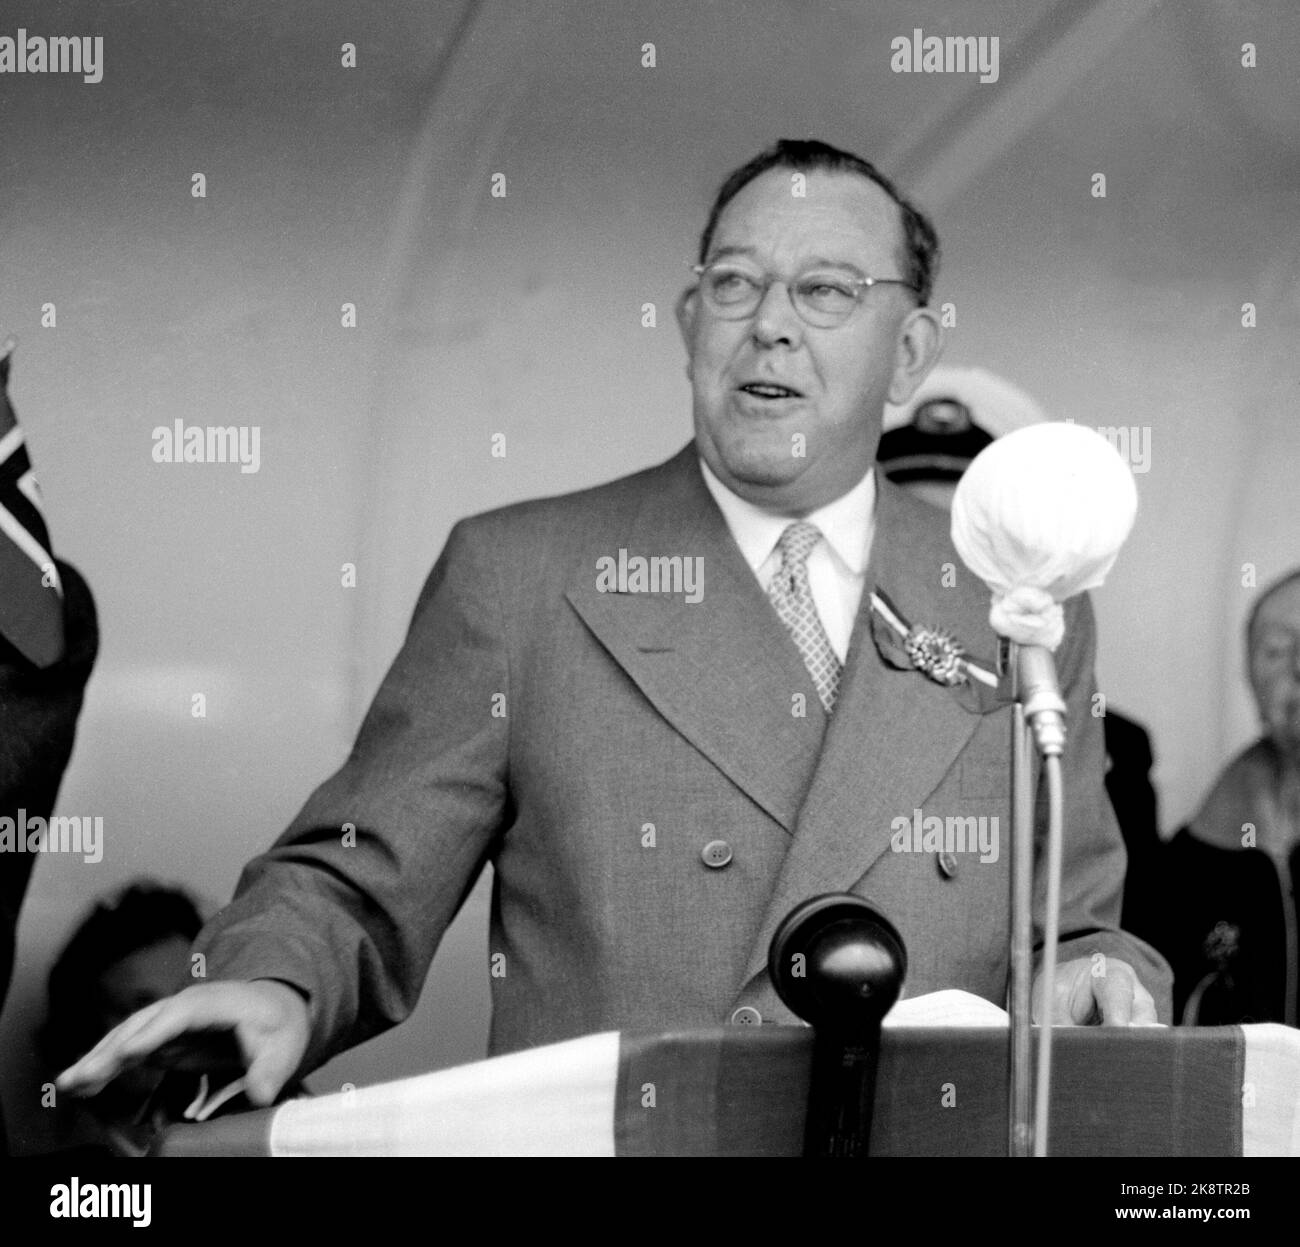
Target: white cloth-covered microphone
{"x":1039,"y":516}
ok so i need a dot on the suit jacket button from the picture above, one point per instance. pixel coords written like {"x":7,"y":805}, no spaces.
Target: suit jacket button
{"x":746,"y":1015}
{"x":948,"y":864}
{"x":717,"y":853}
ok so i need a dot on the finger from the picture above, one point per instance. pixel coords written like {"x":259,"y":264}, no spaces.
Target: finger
{"x":272,"y":1054}
{"x":1144,"y":1006}
{"x":207,"y":1008}
{"x":125,"y":1029}
{"x":274,"y":1058}
{"x":106,"y":1054}
{"x":143,"y":1033}
{"x":1113,"y":991}
{"x":1036,"y":998}
{"x":1082,"y":1006}
{"x":1068,"y":1000}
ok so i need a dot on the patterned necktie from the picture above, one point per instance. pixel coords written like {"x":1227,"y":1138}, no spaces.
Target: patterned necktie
{"x":792,"y":597}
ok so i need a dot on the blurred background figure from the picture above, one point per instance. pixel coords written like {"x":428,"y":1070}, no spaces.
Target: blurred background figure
{"x":132,"y":950}
{"x":928,"y":443}
{"x":49,"y":637}
{"x":926,"y":446}
{"x":1228,"y":879}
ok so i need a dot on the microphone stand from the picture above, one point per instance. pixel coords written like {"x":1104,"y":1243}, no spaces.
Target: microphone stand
{"x":1020,"y":1130}
{"x":1038,"y":727}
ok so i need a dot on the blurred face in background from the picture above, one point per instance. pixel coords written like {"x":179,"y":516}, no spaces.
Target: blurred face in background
{"x":145,"y":976}
{"x":787,"y":415}
{"x":1275,"y":667}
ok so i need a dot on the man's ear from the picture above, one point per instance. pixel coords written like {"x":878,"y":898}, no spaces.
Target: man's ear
{"x":687,"y":308}
{"x":920,"y":343}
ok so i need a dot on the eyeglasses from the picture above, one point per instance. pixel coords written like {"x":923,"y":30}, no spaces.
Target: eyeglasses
{"x":821,"y":298}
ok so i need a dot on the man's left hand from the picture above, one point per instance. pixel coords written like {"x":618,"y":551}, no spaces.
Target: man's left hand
{"x":1096,"y":991}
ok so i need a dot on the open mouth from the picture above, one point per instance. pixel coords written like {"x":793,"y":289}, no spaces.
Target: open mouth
{"x":769,"y":390}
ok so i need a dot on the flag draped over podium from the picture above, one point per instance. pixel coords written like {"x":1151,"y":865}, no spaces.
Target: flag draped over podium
{"x":940,"y":1091}
{"x":31,"y":595}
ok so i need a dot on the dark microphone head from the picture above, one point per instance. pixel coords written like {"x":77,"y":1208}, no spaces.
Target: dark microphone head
{"x":837,"y":962}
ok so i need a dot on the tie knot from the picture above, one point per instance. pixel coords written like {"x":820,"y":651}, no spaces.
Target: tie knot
{"x":797,"y":543}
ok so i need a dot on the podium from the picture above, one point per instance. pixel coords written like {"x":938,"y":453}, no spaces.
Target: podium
{"x":940,"y":1091}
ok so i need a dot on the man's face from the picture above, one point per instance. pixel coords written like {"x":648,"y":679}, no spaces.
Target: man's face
{"x":796,"y":452}
{"x":1275,"y":667}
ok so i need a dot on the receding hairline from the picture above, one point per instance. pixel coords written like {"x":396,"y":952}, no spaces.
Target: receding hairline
{"x":901,"y":244}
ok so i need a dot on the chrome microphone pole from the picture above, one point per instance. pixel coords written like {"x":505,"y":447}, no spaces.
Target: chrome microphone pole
{"x":1038,"y":725}
{"x":1020,"y":1140}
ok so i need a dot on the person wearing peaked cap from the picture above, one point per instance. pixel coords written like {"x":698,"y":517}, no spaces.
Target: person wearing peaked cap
{"x":927,"y":443}
{"x":46,"y":656}
{"x":997,"y":405}
{"x":926,"y":446}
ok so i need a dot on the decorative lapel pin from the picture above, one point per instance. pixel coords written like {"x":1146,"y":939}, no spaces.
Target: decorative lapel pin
{"x":938,"y":655}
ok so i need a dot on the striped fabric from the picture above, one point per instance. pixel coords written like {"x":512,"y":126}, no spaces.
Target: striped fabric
{"x":31,"y":596}
{"x":1140,"y":1091}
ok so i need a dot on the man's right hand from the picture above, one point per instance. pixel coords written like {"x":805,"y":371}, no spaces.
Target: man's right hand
{"x":269,"y":1020}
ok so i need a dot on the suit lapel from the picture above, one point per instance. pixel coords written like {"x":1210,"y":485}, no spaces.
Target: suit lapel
{"x":894,"y":733}
{"x":720,"y":670}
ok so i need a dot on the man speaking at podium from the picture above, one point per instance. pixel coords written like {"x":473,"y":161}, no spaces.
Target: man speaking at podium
{"x":666,"y":710}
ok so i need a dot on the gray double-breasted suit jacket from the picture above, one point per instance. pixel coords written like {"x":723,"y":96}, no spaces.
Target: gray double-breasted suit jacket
{"x":592,"y":744}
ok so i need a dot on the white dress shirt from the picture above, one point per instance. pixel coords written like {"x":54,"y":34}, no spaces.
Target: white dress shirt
{"x":837,"y":566}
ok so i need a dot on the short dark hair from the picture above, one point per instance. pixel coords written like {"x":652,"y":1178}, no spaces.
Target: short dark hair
{"x":143,"y":914}
{"x":1282,"y":582}
{"x":921,"y":243}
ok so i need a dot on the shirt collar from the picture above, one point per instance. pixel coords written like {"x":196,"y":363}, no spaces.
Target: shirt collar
{"x":847,"y":523}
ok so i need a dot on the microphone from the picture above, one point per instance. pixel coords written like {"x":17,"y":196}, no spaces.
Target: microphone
{"x":838,"y":963}
{"x":1039,"y":516}
{"x":1040,"y":694}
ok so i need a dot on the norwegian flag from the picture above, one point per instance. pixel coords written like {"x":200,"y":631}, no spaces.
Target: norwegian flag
{"x":31,"y":595}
